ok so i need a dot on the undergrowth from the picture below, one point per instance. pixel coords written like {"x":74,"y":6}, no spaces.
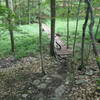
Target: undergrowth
{"x":27,"y":37}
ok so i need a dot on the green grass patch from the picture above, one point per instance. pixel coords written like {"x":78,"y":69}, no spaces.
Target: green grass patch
{"x":27,"y":37}
{"x":26,"y":41}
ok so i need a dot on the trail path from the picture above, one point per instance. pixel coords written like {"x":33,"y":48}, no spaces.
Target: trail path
{"x":62,"y":74}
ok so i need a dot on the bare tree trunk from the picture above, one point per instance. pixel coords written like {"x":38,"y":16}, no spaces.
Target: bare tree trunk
{"x":97,"y":28}
{"x":9,"y":5}
{"x":29,"y":11}
{"x":68,"y":25}
{"x":91,"y":31}
{"x":89,"y":10}
{"x":19,"y":13}
{"x":0,"y":2}
{"x":76,"y":27}
{"x":40,"y":41}
{"x":64,"y":3}
{"x":83,"y":39}
{"x":53,"y":14}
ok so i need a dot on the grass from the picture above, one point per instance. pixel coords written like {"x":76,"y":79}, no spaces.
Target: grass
{"x":27,"y":38}
{"x":61,"y":28}
{"x":26,"y":41}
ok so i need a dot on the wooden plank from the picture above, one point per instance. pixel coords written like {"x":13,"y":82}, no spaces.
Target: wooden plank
{"x":63,"y":50}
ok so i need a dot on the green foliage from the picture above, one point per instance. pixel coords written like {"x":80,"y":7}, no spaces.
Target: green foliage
{"x":26,"y":41}
{"x":96,"y":3}
{"x":5,"y":16}
{"x":27,"y":38}
{"x":98,"y":59}
{"x":98,"y":81}
{"x":3,"y":10}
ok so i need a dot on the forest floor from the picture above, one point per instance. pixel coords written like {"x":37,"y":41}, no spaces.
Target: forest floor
{"x":22,"y":80}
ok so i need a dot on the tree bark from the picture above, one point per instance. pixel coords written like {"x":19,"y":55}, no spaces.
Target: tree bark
{"x":0,"y":2}
{"x":9,"y":5}
{"x":68,"y":25}
{"x":89,"y":10}
{"x":40,"y":41}
{"x":83,"y":39}
{"x":64,"y":3}
{"x":76,"y":26}
{"x":91,"y":32}
{"x":53,"y":14}
{"x":97,"y":29}
{"x":29,"y":11}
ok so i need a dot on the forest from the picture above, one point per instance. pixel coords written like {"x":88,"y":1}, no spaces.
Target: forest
{"x":49,"y":49}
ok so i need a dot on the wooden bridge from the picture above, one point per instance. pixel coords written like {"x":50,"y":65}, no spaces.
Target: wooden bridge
{"x":60,"y":47}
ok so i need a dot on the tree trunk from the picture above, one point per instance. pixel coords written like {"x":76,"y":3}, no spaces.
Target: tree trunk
{"x":53,"y":14}
{"x":68,"y":24}
{"x":40,"y":41}
{"x":9,"y":5}
{"x":64,"y":3}
{"x":76,"y":26}
{"x":97,"y":29}
{"x":91,"y":32}
{"x":29,"y":11}
{"x":83,"y":39}
{"x":0,"y":2}
{"x":19,"y":13}
{"x":89,"y":10}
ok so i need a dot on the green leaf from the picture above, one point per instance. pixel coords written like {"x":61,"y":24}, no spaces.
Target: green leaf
{"x":98,"y":58}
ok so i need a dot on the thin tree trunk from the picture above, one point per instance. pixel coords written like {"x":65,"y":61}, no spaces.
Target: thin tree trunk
{"x":83,"y":39}
{"x":77,"y":22}
{"x":97,"y":29}
{"x":68,"y":26}
{"x":14,"y":6}
{"x":9,"y":5}
{"x":19,"y":14}
{"x":53,"y":14}
{"x":0,"y":2}
{"x":91,"y":31}
{"x":40,"y":41}
{"x":64,"y":3}
{"x":29,"y":11}
{"x":88,"y":54}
